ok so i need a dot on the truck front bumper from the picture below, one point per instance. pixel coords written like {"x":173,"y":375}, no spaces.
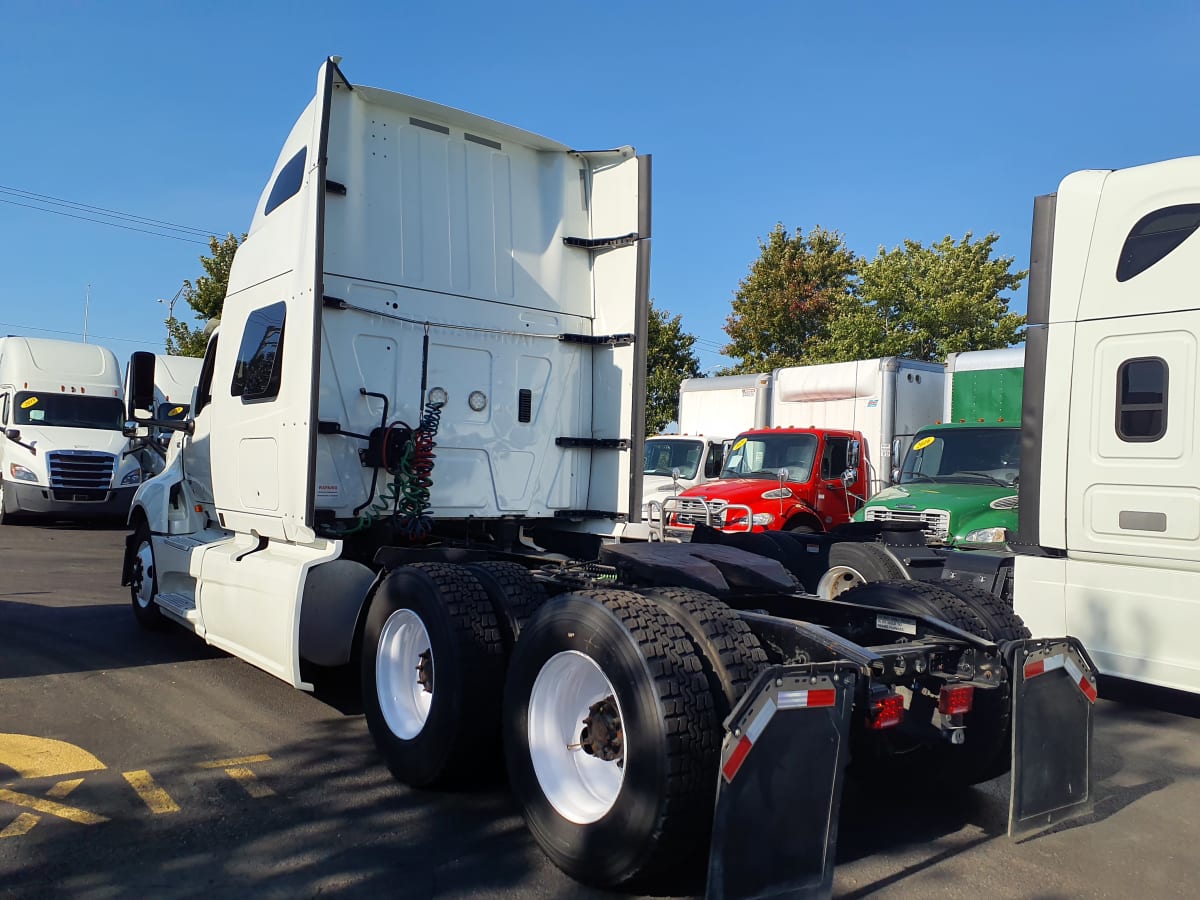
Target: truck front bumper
{"x":36,"y":499}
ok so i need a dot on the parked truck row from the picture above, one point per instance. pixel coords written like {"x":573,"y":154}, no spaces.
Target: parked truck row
{"x":62,"y":411}
{"x":413,"y":450}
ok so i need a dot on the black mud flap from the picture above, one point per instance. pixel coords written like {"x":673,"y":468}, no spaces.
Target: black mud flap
{"x":779,"y":790}
{"x":1054,"y":689}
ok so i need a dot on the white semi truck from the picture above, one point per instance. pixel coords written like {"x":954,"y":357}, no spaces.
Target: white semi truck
{"x":1110,"y":509}
{"x":62,"y":454}
{"x":414,"y":441}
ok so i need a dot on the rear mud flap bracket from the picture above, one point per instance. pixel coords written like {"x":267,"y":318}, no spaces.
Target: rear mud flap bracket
{"x":779,"y":789}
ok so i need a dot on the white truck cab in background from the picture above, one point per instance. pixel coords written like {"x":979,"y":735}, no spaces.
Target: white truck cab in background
{"x":62,"y":453}
{"x":1110,"y":491}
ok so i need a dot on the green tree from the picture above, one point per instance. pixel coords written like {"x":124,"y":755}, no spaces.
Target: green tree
{"x":925,"y":302}
{"x":787,"y":299}
{"x":206,"y":296}
{"x":669,"y":360}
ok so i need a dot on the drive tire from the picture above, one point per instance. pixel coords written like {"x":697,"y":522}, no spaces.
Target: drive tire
{"x":852,"y":564}
{"x":731,"y":654}
{"x":1002,"y":621}
{"x":652,"y":813}
{"x":514,"y":593}
{"x":451,"y":736}
{"x":143,"y":584}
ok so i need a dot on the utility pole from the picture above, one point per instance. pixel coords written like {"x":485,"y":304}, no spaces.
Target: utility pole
{"x":87,"y":301}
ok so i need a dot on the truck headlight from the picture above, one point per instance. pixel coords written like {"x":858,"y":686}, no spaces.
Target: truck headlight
{"x":986,"y":536}
{"x":134,"y":477}
{"x":762,"y":518}
{"x":21,"y":473}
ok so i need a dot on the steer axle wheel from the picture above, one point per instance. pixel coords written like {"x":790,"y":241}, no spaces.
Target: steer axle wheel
{"x":144,"y":583}
{"x":610,"y":737}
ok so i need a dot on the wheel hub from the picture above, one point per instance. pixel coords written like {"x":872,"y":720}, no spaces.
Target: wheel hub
{"x":425,"y":671}
{"x":602,"y":735}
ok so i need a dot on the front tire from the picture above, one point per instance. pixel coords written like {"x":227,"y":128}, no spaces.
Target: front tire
{"x":853,"y":564}
{"x":610,"y":738}
{"x":144,"y":583}
{"x":432,"y":670}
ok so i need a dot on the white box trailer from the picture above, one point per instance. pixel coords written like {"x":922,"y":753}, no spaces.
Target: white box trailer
{"x":887,"y":399}
{"x":62,"y":410}
{"x":415,"y":429}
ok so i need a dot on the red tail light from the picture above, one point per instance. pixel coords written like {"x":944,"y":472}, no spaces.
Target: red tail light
{"x":956,"y":699}
{"x":886,"y":711}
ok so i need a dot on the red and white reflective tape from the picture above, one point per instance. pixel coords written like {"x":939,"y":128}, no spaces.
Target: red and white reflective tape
{"x":1062,"y":661}
{"x":811,"y":699}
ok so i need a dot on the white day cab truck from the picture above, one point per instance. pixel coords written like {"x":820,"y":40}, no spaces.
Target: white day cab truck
{"x":414,"y":448}
{"x":711,"y":412}
{"x":63,"y":452}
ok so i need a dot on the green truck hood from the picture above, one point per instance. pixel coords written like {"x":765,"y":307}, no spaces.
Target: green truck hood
{"x":969,"y":504}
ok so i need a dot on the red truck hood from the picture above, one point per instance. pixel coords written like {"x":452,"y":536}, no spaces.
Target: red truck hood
{"x":738,"y":490}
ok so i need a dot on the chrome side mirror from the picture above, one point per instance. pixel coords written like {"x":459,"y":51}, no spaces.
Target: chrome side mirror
{"x":850,"y":476}
{"x":895,"y":474}
{"x":853,"y":455}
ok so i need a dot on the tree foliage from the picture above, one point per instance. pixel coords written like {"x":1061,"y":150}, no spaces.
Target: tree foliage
{"x":788,"y":298}
{"x":669,"y":360}
{"x":925,"y":302}
{"x":808,"y":300}
{"x":206,"y":296}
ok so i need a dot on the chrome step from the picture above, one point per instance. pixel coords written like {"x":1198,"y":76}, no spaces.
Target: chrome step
{"x":182,"y":606}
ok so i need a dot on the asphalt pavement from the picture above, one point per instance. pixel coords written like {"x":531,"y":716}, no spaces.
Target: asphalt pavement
{"x":143,"y":764}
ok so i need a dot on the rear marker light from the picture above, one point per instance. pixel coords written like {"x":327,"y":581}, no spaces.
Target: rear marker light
{"x":886,"y":712}
{"x":954,"y":700}
{"x":1062,"y":661}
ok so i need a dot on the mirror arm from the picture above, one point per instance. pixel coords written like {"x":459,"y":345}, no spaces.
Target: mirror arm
{"x":187,"y":426}
{"x":31,"y":447}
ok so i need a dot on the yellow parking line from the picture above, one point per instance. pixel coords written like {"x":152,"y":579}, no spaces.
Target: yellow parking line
{"x":82,"y":816}
{"x":20,"y":825}
{"x":239,"y":761}
{"x":152,"y":795}
{"x":249,"y":783}
{"x":63,"y":788}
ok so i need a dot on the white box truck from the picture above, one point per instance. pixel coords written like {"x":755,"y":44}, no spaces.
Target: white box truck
{"x":63,"y":453}
{"x":416,"y":426}
{"x":887,"y":399}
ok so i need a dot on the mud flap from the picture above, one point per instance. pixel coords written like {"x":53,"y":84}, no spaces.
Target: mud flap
{"x":1054,"y":689}
{"x":779,"y":790}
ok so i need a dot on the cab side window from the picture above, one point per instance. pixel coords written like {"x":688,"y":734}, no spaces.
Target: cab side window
{"x":259,"y":367}
{"x":1142,"y":399}
{"x":716,"y":456}
{"x":833,"y":460}
{"x":204,"y":384}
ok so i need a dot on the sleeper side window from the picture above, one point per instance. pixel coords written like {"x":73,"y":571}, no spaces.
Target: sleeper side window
{"x":1154,"y":236}
{"x":259,"y":367}
{"x":1142,"y":399}
{"x":287,"y":182}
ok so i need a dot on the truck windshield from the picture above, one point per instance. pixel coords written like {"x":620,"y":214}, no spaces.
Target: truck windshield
{"x":68,"y":411}
{"x":964,"y":455}
{"x":763,"y":455}
{"x":664,"y":455}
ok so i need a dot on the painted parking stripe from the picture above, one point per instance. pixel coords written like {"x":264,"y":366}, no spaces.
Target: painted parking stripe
{"x":238,"y":769}
{"x":51,"y":808}
{"x":158,"y":800}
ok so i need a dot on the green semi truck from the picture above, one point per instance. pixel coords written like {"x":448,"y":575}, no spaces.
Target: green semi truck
{"x":959,"y":477}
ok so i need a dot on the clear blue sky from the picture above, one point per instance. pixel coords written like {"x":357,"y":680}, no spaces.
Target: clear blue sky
{"x":882,"y":120}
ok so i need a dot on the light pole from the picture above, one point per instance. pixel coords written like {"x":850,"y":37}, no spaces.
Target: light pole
{"x":171,"y":311}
